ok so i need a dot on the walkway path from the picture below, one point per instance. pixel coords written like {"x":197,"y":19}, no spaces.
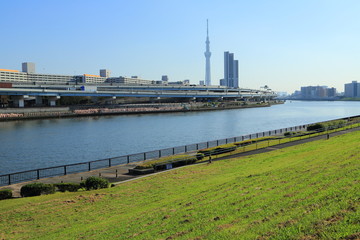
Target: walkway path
{"x":119,"y":174}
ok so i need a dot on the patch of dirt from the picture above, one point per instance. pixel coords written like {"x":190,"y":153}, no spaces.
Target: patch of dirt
{"x":308,"y":237}
{"x":266,"y":236}
{"x":355,"y":236}
{"x":176,"y":235}
{"x":333,"y":219}
{"x":224,"y":226}
{"x":216,"y":218}
{"x":185,"y":221}
{"x":91,"y":198}
{"x":286,"y":224}
{"x":289,"y":195}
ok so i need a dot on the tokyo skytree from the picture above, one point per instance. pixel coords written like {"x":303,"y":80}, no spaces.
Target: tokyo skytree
{"x":207,"y":57}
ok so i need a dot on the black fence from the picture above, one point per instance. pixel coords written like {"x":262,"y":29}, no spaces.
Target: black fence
{"x":17,"y":177}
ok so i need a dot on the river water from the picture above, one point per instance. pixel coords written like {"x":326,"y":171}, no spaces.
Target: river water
{"x":32,"y":144}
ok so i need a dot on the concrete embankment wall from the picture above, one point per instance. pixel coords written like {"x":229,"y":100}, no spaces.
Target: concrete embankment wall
{"x":34,"y":110}
{"x":9,"y":114}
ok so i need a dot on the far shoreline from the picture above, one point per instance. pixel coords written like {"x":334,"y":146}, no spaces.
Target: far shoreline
{"x":32,"y":113}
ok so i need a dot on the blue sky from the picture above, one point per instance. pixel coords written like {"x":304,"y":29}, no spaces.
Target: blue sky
{"x":283,"y":44}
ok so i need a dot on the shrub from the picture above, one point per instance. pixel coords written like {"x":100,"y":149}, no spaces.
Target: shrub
{"x":199,"y":156}
{"x":70,"y":187}
{"x":5,"y":194}
{"x":92,"y":183}
{"x":217,"y":150}
{"x":336,"y":124}
{"x":150,"y":163}
{"x":327,"y":125}
{"x":316,"y":127}
{"x":176,"y":163}
{"x":36,"y":189}
{"x":289,"y":134}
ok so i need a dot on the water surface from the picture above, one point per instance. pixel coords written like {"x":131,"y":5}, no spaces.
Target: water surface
{"x":35,"y":144}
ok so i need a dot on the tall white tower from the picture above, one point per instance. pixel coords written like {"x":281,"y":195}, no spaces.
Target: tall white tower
{"x":207,"y":57}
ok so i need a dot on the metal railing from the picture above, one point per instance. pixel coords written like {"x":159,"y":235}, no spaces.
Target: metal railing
{"x":62,"y":170}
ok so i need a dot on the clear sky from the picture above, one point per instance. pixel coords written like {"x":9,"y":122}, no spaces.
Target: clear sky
{"x":284,"y":44}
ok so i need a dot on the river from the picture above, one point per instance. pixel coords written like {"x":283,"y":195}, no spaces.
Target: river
{"x":32,"y":144}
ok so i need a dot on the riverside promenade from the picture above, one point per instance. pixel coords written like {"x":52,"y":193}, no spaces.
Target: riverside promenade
{"x":119,"y":174}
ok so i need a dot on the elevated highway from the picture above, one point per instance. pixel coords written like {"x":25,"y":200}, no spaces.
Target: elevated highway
{"x":55,"y":92}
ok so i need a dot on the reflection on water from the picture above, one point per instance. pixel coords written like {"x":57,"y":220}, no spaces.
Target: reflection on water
{"x":43,"y":143}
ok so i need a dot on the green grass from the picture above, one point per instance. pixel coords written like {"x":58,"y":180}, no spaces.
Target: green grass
{"x":308,"y":191}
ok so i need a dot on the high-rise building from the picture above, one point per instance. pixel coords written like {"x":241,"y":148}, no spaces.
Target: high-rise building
{"x":207,"y":57}
{"x":105,"y":73}
{"x":352,"y":89}
{"x":164,"y":78}
{"x":231,"y":71}
{"x":28,"y":67}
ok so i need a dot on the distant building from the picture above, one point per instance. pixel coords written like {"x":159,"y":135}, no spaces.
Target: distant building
{"x":352,"y":90}
{"x":164,"y":78}
{"x":134,"y":80}
{"x":186,"y":81}
{"x":231,"y":71}
{"x":28,"y":75}
{"x":28,"y":67}
{"x":105,"y":73}
{"x":89,"y":78}
{"x":201,"y":82}
{"x":317,"y":92}
{"x":331,"y":92}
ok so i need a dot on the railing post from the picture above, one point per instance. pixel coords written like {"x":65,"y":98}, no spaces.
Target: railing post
{"x":173,"y":151}
{"x":207,"y":144}
{"x":185,"y":148}
{"x":128,"y":159}
{"x":197,"y":146}
{"x":217,"y":142}
{"x":37,"y":174}
{"x":144,"y":156}
{"x":65,"y":170}
{"x":9,"y":179}
{"x":109,"y":162}
{"x":159,"y":153}
{"x":89,"y":166}
{"x":226,"y":141}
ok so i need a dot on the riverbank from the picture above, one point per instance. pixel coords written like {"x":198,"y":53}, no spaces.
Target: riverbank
{"x":119,"y":173}
{"x":10,"y":114}
{"x":255,"y":197}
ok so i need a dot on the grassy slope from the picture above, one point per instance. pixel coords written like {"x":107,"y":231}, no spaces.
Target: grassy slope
{"x":308,"y":191}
